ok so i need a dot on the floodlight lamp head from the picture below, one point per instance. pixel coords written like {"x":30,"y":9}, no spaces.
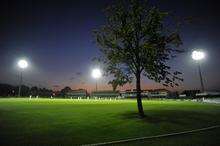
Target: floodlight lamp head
{"x":22,"y":64}
{"x":96,"y":73}
{"x":198,"y":55}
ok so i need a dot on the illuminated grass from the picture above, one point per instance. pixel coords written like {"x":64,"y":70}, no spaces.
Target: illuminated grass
{"x":74,"y":122}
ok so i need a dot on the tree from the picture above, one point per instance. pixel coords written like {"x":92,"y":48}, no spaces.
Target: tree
{"x":135,"y":41}
{"x":119,"y":79}
{"x":7,"y":90}
{"x":65,"y":90}
{"x":25,"y":90}
{"x":34,"y":91}
{"x":114,"y":84}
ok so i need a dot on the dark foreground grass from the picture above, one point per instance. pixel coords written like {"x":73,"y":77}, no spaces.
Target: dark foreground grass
{"x":72,"y":122}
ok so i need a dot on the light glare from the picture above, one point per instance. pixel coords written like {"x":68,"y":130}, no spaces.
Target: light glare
{"x":96,"y":73}
{"x":23,"y":64}
{"x":198,"y":55}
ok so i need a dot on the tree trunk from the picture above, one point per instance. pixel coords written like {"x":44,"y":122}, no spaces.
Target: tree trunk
{"x":139,"y":99}
{"x":114,"y":86}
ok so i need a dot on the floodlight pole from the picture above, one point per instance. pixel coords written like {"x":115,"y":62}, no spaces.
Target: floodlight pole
{"x":201,"y":79}
{"x":96,"y":86}
{"x":20,"y":84}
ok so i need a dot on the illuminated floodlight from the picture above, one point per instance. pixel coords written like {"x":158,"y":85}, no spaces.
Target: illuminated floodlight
{"x":96,"y":73}
{"x":22,"y":64}
{"x":198,"y":55}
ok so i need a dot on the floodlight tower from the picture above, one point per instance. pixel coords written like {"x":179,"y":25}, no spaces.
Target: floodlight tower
{"x":198,"y":56}
{"x":96,"y":74}
{"x":22,"y":64}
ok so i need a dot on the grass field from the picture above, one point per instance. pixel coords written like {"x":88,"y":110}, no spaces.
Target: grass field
{"x":58,"y":122}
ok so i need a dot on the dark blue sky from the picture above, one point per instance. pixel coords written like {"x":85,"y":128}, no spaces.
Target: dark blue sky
{"x":56,"y":37}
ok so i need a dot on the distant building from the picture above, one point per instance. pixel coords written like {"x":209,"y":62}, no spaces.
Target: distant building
{"x":190,"y":93}
{"x":77,"y":93}
{"x":128,"y":94}
{"x":211,"y":94}
{"x":157,"y":93}
{"x":105,"y":94}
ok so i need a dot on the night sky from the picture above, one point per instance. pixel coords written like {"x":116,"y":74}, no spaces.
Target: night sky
{"x":55,"y":36}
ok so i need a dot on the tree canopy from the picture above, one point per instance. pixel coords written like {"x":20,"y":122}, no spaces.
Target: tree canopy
{"x":136,"y":41}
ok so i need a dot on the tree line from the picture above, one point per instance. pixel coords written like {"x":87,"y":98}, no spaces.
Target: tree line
{"x":7,"y":90}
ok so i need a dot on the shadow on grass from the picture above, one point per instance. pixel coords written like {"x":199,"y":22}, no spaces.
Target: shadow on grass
{"x":173,"y":116}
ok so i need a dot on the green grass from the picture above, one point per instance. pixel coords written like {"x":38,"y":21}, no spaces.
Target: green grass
{"x":72,"y":122}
